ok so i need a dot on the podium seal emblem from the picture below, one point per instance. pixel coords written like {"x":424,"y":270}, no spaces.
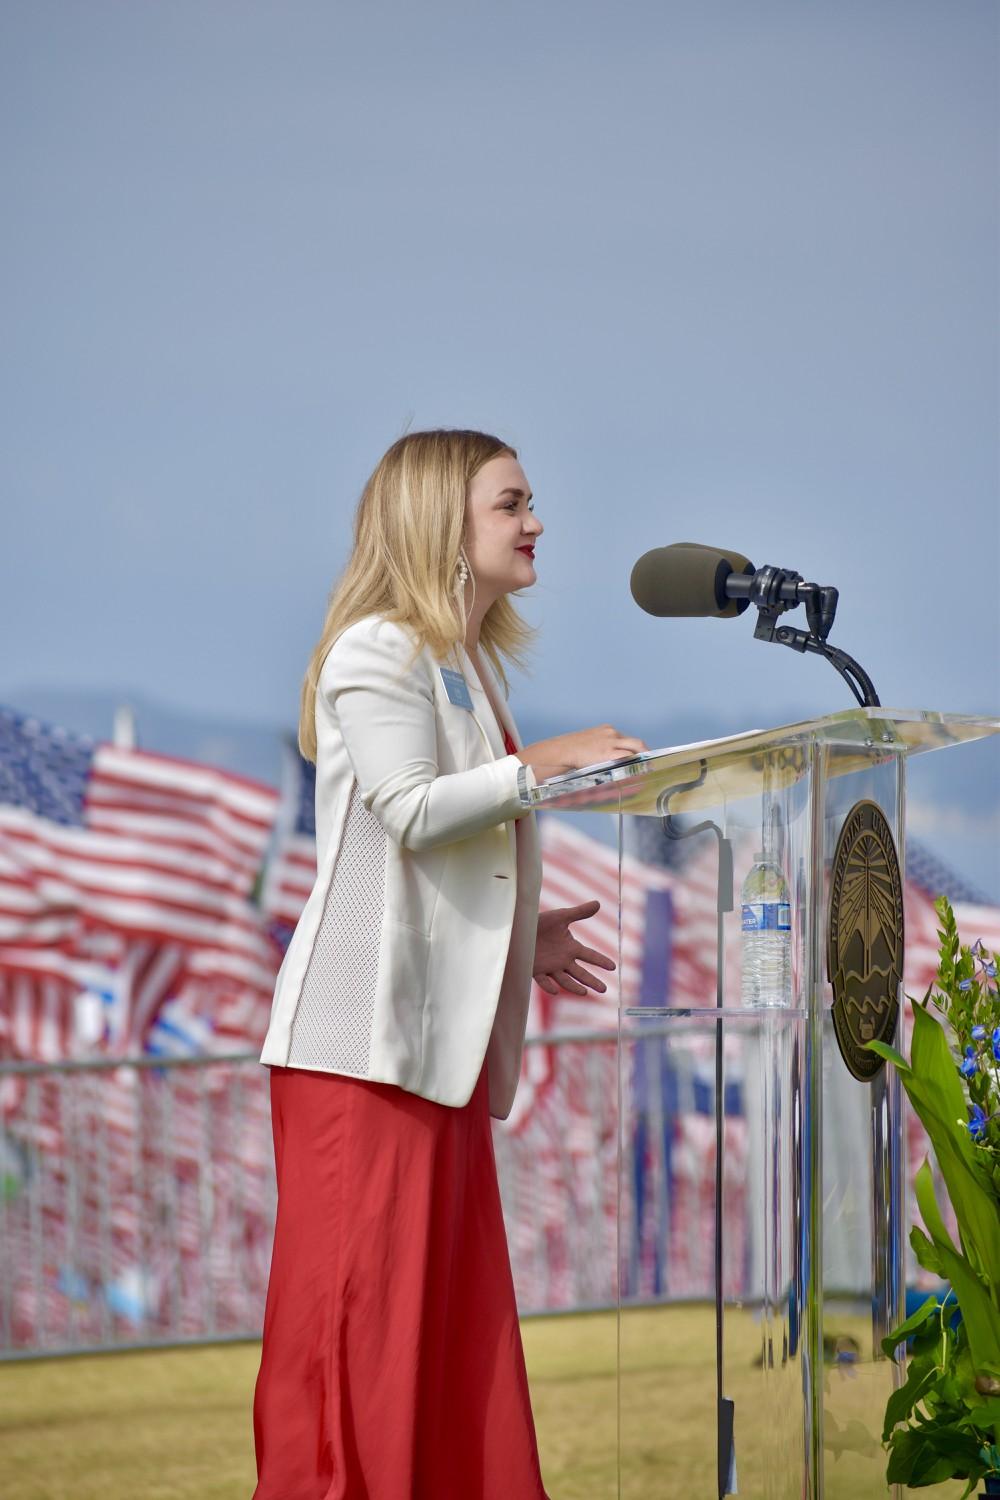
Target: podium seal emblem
{"x":864,"y":952}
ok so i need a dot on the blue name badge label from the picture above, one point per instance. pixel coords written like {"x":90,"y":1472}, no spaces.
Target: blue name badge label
{"x":456,"y":687}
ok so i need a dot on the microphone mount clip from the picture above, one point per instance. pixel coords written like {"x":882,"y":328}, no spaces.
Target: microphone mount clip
{"x":776,"y":590}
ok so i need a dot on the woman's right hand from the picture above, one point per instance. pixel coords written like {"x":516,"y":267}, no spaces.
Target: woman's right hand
{"x":583,"y":747}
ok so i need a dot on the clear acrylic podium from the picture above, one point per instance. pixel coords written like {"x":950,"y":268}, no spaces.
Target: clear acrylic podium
{"x":767,"y":1378}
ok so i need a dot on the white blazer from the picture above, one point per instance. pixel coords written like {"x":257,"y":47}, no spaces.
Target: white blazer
{"x":412,"y":957}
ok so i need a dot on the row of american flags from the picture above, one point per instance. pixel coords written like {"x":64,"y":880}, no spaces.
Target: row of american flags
{"x":145,"y":905}
{"x":128,"y":880}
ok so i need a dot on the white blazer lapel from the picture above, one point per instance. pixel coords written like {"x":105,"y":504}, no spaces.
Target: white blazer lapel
{"x":482,"y":708}
{"x":506,"y":721}
{"x":487,"y":720}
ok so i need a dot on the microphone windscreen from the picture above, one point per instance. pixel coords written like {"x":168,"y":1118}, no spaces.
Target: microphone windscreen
{"x":688,"y":578}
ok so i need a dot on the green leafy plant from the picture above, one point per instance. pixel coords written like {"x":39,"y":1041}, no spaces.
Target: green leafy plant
{"x":944,"y":1421}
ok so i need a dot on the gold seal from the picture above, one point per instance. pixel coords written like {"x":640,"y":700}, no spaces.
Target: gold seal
{"x":864,"y":951}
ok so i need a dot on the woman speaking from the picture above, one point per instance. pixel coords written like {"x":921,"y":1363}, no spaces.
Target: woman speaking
{"x":392,"y":1365}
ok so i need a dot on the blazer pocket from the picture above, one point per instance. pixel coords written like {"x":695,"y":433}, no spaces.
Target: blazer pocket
{"x":412,"y":885}
{"x":401,"y":989}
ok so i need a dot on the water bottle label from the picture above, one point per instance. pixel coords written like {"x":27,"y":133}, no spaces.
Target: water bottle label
{"x":767,"y":916}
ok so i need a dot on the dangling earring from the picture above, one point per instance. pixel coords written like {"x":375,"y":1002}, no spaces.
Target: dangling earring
{"x":462,"y":573}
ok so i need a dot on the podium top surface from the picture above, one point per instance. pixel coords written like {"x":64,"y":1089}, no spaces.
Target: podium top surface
{"x":726,"y":769}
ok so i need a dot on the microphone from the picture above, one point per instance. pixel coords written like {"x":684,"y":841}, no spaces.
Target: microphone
{"x":688,"y":578}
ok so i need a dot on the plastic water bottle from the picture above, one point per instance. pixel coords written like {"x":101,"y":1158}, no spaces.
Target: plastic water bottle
{"x":767,"y":935}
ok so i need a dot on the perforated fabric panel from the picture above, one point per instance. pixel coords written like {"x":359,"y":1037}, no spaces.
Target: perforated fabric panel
{"x":332,"y":1026}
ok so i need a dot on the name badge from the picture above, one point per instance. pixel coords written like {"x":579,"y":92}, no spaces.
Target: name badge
{"x":456,"y":687}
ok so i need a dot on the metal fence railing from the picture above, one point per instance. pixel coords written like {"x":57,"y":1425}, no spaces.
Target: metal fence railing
{"x":137,"y":1195}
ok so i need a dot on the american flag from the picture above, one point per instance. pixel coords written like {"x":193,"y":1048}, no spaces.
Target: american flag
{"x":291,"y":869}
{"x":125,"y":877}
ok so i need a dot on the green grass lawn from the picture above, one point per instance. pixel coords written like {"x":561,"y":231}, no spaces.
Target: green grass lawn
{"x":175,"y":1425}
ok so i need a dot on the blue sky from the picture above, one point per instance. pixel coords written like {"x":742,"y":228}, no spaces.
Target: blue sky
{"x":721,"y":272}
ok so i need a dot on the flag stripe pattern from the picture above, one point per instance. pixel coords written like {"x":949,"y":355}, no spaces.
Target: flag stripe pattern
{"x":145,"y":904}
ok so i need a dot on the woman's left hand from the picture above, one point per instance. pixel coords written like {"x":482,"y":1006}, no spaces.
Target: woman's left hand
{"x":557,"y":953}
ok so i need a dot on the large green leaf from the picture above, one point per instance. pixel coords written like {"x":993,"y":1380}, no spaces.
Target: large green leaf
{"x":925,"y":1252}
{"x":916,"y":1320}
{"x":903,"y":1400}
{"x":979,"y":1315}
{"x":923,"y":1187}
{"x":922,"y":1456}
{"x":985,"y":1417}
{"x":890,"y":1054}
{"x":932,"y":1084}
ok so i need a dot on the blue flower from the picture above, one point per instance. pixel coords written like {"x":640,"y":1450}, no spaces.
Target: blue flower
{"x":965,"y":984}
{"x":977,"y":1125}
{"x":978,"y":1032}
{"x":969,"y":1066}
{"x":977,"y":946}
{"x":990,"y":968}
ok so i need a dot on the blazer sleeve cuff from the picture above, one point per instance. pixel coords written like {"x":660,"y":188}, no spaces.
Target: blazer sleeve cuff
{"x":526,"y":782}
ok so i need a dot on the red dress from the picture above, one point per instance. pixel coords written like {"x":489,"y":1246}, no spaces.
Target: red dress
{"x":391,"y":1366}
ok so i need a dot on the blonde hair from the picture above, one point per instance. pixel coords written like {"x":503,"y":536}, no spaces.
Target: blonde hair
{"x":408,"y":529}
